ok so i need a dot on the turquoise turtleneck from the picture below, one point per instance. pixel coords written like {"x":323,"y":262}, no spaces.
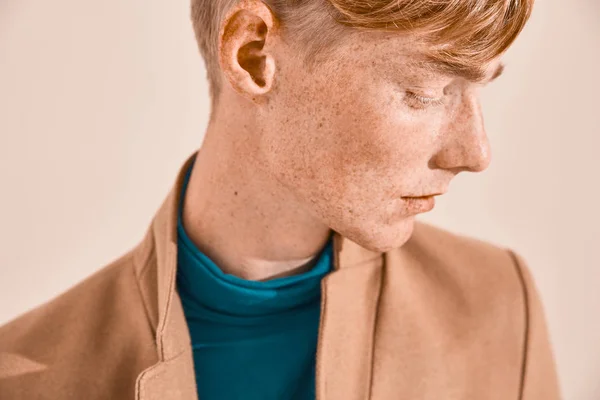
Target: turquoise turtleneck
{"x":251,"y":340}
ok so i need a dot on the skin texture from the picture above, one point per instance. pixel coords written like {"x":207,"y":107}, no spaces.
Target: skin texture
{"x":293,"y":153}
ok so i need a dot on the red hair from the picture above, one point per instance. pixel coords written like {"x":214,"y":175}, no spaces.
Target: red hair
{"x":463,"y":35}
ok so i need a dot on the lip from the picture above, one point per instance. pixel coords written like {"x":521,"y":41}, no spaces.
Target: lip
{"x":419,"y":204}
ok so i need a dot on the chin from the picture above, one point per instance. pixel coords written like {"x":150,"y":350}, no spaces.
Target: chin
{"x":385,"y":238}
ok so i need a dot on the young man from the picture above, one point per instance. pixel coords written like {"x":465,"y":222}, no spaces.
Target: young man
{"x":286,"y":262}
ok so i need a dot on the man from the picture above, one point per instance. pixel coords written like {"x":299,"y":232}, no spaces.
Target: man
{"x":286,"y":262}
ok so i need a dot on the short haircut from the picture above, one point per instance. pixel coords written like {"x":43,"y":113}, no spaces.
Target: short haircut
{"x":463,"y":35}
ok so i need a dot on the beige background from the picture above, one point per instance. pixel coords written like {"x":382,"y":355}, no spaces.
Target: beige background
{"x":100,"y":102}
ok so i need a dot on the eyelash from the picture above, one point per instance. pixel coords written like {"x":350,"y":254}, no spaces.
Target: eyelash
{"x":421,"y":102}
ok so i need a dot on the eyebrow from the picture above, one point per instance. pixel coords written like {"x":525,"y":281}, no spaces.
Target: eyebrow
{"x":476,"y":75}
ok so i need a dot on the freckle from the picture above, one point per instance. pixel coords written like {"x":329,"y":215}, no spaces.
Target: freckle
{"x":320,"y":124}
{"x":235,"y":193}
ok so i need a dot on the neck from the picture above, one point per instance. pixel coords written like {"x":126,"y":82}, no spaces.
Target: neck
{"x":250,"y":226}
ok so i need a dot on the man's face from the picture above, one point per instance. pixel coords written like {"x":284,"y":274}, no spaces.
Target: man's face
{"x":356,"y":136}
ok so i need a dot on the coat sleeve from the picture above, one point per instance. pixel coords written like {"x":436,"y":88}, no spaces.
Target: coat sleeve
{"x":539,"y":376}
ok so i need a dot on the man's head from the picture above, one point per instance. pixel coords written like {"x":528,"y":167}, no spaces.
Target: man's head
{"x":356,"y":106}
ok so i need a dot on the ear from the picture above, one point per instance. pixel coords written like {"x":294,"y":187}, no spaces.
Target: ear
{"x":242,"y":56}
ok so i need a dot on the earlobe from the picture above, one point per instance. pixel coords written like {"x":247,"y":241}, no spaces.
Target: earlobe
{"x":245,"y":64}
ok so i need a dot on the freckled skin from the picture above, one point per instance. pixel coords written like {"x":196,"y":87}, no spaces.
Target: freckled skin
{"x":293,"y":153}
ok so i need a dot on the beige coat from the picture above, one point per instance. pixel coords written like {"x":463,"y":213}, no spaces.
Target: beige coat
{"x":444,"y":317}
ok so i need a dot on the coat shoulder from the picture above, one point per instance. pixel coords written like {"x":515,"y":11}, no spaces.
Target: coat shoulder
{"x":453,"y":244}
{"x":484,"y":296}
{"x":469,"y":310}
{"x":95,"y":332}
{"x":481,"y":281}
{"x":466,"y":256}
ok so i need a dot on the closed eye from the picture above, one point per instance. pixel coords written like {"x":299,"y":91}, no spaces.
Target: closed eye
{"x":420,"y":102}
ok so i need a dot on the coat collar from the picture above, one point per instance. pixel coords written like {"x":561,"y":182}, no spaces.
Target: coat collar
{"x":172,"y":335}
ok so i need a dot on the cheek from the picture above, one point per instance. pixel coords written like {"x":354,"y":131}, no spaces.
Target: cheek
{"x":347,"y":147}
{"x":381,"y":152}
{"x":380,"y":139}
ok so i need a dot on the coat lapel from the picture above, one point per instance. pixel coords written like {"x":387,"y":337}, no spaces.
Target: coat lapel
{"x":173,"y":376}
{"x":350,"y":297}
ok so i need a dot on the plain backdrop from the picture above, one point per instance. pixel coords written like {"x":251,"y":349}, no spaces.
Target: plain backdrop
{"x":101,"y":102}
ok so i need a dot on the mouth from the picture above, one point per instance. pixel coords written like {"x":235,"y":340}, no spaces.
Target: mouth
{"x":424,"y":195}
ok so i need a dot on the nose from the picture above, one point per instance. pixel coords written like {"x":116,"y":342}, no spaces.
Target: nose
{"x":465,"y":143}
